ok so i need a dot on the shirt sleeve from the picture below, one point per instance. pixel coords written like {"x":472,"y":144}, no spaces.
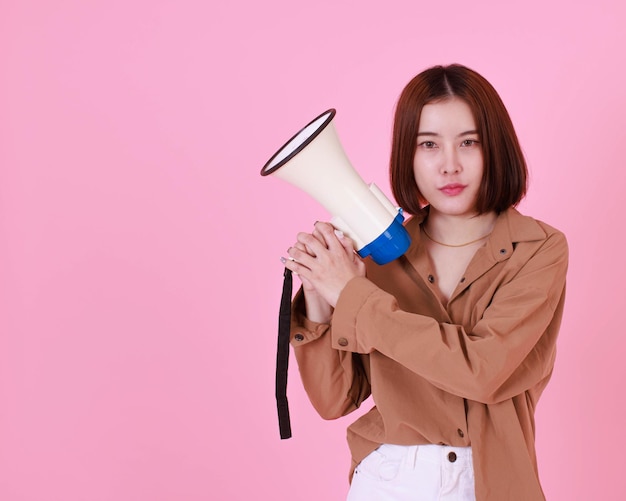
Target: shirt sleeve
{"x":509,"y":350}
{"x":335,"y":380}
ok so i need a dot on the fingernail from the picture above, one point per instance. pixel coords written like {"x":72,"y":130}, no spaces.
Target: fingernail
{"x":339,"y":233}
{"x":283,"y":260}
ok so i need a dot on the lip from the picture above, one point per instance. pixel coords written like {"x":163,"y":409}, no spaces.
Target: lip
{"x":453,"y":189}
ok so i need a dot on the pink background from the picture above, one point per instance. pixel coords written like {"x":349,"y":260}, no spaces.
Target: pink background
{"x":139,"y":247}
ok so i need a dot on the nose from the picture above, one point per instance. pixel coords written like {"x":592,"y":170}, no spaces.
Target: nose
{"x":451,"y":163}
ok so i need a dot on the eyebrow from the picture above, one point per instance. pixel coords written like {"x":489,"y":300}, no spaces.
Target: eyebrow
{"x":466,"y":133}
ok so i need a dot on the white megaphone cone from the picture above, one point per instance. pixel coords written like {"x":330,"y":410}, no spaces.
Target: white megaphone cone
{"x":314,"y":161}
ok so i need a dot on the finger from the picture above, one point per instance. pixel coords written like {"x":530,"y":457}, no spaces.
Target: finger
{"x":313,"y":244}
{"x":301,"y":257}
{"x":294,"y":266}
{"x":346,"y":242}
{"x":318,"y":234}
{"x":320,"y":237}
{"x":304,"y":248}
{"x":330,"y":237}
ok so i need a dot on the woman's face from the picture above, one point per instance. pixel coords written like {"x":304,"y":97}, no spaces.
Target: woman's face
{"x":448,"y":163}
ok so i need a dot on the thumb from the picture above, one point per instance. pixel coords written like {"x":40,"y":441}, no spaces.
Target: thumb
{"x":346,"y":242}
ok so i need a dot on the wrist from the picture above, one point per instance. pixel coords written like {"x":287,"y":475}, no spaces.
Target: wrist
{"x":317,"y":308}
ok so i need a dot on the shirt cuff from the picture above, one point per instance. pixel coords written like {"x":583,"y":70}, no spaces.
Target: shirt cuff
{"x":303,"y":330}
{"x":352,"y":299}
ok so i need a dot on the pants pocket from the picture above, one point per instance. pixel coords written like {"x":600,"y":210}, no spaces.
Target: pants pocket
{"x":378,"y":466}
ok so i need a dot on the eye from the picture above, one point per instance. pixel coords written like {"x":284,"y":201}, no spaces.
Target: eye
{"x":428,"y":144}
{"x":469,"y":142}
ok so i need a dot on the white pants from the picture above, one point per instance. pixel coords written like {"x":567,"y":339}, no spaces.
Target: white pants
{"x":415,"y":473}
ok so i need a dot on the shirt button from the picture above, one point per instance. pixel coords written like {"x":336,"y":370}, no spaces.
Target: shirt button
{"x":299,"y":337}
{"x":502,"y":251}
{"x":342,"y":341}
{"x":431,"y":279}
{"x":460,"y":432}
{"x":452,"y":457}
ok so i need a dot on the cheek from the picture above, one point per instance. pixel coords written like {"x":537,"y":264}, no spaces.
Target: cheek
{"x":423,"y":170}
{"x":418,"y":176}
{"x":478,"y":173}
{"x":479,"y":163}
{"x":420,"y":167}
{"x":424,"y":186}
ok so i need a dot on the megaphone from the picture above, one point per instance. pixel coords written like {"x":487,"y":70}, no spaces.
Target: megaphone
{"x":314,"y":161}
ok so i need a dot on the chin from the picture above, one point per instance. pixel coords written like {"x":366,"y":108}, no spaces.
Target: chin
{"x":455,"y":209}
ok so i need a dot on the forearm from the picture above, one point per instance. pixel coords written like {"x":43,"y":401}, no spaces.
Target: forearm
{"x":507,"y":350}
{"x":317,"y":309}
{"x":335,"y":380}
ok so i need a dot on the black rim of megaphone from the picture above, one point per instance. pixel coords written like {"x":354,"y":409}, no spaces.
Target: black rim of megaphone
{"x":331,"y":114}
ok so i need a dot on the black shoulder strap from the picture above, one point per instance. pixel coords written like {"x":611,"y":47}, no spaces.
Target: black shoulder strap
{"x":282,"y":356}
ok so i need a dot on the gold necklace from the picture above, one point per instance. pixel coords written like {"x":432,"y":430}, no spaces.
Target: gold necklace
{"x":450,"y":245}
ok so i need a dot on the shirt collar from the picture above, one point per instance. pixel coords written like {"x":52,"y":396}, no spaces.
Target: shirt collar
{"x":510,"y":228}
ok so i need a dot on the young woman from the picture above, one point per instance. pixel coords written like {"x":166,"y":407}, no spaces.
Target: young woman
{"x":455,"y":341}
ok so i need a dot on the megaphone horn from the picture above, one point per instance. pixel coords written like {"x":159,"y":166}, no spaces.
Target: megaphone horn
{"x":314,"y":161}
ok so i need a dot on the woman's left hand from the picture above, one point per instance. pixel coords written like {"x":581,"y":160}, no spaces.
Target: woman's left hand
{"x":329,"y":262}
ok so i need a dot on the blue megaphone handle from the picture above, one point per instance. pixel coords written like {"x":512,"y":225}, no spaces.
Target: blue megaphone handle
{"x":393,"y":242}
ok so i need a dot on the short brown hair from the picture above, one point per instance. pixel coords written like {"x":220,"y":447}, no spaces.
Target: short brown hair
{"x":505,"y":173}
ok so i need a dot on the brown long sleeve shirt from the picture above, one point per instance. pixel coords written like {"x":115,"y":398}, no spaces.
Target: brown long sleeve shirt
{"x":467,"y":373}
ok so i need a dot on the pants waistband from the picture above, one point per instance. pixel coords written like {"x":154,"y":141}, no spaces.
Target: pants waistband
{"x":408,"y":454}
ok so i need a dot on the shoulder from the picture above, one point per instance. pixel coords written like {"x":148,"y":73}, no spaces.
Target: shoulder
{"x":533,"y":237}
{"x":527,"y":228}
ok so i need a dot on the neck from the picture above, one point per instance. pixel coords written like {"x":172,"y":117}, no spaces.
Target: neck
{"x":458,"y":230}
